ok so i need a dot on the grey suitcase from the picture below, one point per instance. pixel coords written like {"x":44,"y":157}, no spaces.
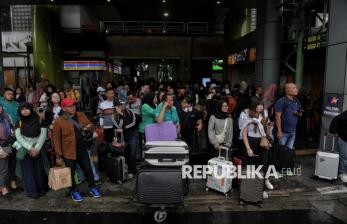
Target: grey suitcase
{"x":327,"y":162}
{"x":251,"y":190}
{"x":160,"y":186}
{"x":166,"y":153}
{"x":116,"y":169}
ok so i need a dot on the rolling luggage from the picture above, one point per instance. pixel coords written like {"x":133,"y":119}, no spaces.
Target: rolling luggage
{"x":166,"y":153}
{"x":223,"y":185}
{"x":160,"y":186}
{"x":327,"y":162}
{"x":165,"y":131}
{"x":284,"y":157}
{"x":116,"y":169}
{"x":101,"y":148}
{"x":251,"y":189}
{"x":237,"y":162}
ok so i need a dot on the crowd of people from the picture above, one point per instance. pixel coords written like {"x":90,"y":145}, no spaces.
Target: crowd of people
{"x":45,"y":127}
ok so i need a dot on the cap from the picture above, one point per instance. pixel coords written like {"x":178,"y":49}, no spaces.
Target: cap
{"x":100,"y":89}
{"x":119,"y":103}
{"x":67,"y":102}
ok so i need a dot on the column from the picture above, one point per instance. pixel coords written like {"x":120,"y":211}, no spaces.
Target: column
{"x":335,"y":87}
{"x":267,"y":66}
{"x":46,"y":44}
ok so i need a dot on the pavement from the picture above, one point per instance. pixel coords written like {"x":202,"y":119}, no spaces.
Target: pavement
{"x":290,"y":194}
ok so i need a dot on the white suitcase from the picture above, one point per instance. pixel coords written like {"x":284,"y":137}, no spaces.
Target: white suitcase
{"x":223,"y":185}
{"x":327,"y":163}
{"x":166,"y":153}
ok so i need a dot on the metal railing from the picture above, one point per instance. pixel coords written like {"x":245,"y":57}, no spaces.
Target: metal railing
{"x":163,"y":27}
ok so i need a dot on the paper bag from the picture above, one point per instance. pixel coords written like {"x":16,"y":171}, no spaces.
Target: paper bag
{"x":59,"y":178}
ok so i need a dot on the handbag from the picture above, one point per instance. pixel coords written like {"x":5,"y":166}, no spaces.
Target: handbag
{"x":117,"y":147}
{"x":221,"y":137}
{"x":264,"y":143}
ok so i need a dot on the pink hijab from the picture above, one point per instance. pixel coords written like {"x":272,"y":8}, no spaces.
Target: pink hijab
{"x":270,"y":92}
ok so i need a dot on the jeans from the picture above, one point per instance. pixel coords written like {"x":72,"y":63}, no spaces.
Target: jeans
{"x":80,"y":174}
{"x":343,"y":156}
{"x":288,"y":139}
{"x":130,"y":151}
{"x":84,"y":162}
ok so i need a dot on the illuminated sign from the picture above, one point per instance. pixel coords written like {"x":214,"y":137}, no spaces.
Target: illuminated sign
{"x":244,"y":56}
{"x":84,"y":65}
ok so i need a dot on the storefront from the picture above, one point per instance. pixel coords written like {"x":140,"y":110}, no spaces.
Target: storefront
{"x":241,"y":66}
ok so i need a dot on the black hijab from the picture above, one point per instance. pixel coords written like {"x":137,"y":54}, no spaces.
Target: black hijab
{"x":218,"y":112}
{"x":29,"y":125}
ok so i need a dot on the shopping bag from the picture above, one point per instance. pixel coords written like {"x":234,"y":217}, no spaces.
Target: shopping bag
{"x":59,"y":178}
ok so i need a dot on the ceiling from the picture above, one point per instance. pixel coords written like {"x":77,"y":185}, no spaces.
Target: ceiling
{"x":153,"y":10}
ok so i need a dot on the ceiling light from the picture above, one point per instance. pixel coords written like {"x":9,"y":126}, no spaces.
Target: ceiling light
{"x":166,"y":14}
{"x":108,"y":0}
{"x":52,"y":0}
{"x":164,"y":1}
{"x":218,"y":2}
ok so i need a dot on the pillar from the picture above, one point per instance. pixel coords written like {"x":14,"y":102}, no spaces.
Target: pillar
{"x":2,"y":76}
{"x":335,"y":86}
{"x":46,"y":44}
{"x":267,"y":66}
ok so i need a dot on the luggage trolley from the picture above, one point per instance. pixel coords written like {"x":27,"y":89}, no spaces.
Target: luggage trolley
{"x":159,"y":183}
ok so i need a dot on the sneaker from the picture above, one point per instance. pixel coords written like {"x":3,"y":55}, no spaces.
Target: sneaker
{"x":343,"y":178}
{"x":279,"y":175}
{"x":95,"y":192}
{"x":76,"y":196}
{"x":268,"y":184}
{"x":290,"y":173}
{"x":130,"y":176}
{"x":265,"y":195}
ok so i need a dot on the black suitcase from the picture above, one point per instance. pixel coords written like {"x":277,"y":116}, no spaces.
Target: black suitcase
{"x":101,"y":148}
{"x":116,"y":169}
{"x":161,"y":186}
{"x":284,"y":157}
{"x":251,"y":190}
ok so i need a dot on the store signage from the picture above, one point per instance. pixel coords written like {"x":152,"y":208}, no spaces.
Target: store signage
{"x":84,"y":65}
{"x":244,"y":56}
{"x":333,"y":105}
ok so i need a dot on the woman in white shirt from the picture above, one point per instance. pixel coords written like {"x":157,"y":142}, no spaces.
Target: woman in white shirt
{"x":252,"y":124}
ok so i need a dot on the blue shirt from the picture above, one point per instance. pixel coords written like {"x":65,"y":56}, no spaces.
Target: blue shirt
{"x":287,"y":107}
{"x":169,"y":115}
{"x":11,"y":108}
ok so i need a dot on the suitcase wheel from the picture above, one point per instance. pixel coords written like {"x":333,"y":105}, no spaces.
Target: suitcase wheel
{"x":207,"y":189}
{"x":160,"y":215}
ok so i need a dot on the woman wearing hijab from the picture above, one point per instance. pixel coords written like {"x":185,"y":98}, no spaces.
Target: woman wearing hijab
{"x":20,"y":97}
{"x":30,"y":140}
{"x":5,"y":150}
{"x":220,"y":126}
{"x":269,"y":96}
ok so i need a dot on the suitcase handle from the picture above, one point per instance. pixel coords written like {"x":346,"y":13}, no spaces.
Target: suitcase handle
{"x":167,"y":160}
{"x":226,"y":149}
{"x":325,"y":141}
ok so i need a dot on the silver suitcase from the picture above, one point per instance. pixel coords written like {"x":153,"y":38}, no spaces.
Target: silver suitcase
{"x":327,"y":163}
{"x":223,"y":185}
{"x":166,"y":153}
